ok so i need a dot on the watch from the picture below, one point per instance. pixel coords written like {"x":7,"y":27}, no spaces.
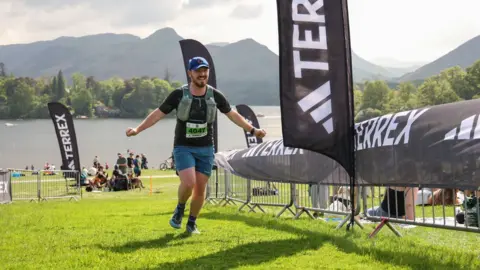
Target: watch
{"x":252,"y":131}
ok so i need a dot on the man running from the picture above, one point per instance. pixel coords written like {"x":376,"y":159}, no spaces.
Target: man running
{"x":196,"y":106}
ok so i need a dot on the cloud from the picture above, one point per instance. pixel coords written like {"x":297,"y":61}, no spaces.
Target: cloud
{"x":206,"y":3}
{"x":117,"y":13}
{"x":383,"y":34}
{"x":247,"y":11}
{"x":26,"y":21}
{"x":30,"y":20}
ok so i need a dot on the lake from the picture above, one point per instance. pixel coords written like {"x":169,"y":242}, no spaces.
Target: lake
{"x":34,"y":141}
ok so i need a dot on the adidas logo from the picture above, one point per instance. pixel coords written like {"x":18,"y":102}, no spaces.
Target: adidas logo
{"x":324,"y":111}
{"x":464,"y":132}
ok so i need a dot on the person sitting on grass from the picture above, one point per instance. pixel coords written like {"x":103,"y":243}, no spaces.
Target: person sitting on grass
{"x":398,"y":202}
{"x":98,"y":182}
{"x":469,"y":215}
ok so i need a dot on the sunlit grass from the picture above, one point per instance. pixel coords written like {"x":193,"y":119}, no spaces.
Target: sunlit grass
{"x":130,"y":230}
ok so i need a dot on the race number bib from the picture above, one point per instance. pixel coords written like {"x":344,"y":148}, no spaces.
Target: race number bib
{"x":196,"y":130}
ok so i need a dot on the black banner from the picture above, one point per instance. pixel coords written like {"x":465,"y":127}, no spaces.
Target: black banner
{"x":249,"y":115}
{"x":191,"y":48}
{"x":272,"y":161}
{"x":5,"y":187}
{"x":432,"y":146}
{"x":316,"y":93}
{"x":67,"y":139}
{"x":437,"y":146}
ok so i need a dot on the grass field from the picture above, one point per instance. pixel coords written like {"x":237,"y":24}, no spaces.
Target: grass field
{"x":129,"y":230}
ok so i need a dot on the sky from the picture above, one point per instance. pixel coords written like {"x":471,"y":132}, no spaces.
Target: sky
{"x":407,"y":30}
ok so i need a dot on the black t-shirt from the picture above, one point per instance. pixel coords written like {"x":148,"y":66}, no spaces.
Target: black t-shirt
{"x":393,"y":201}
{"x":129,"y":162}
{"x":198,"y":114}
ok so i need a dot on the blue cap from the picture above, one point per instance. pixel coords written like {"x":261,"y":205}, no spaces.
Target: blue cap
{"x":197,"y":62}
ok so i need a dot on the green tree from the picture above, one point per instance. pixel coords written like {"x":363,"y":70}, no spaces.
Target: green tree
{"x":60,"y":89}
{"x":10,"y":84}
{"x":403,"y":98}
{"x":21,"y":102}
{"x":3,"y":106}
{"x":406,"y":91}
{"x":367,"y":114}
{"x":54,"y":89}
{"x":3,"y":70}
{"x":161,"y":89}
{"x":82,"y":102}
{"x":472,"y":78}
{"x":357,"y":98}
{"x":39,"y":107}
{"x":435,"y":91}
{"x":455,"y":76}
{"x":176,"y":84}
{"x":376,"y":95}
{"x":79,"y":83}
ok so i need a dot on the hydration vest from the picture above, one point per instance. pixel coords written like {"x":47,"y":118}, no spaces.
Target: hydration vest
{"x":183,"y":109}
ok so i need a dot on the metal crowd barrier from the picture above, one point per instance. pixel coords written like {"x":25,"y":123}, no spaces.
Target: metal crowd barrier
{"x":5,"y":187}
{"x":271,"y":194}
{"x":331,"y":201}
{"x":45,"y":184}
{"x":216,"y":192}
{"x":255,"y":194}
{"x":454,"y":209}
{"x":237,"y":190}
{"x":426,"y":206}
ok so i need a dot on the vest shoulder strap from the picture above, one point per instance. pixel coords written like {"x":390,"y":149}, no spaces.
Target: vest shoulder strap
{"x":209,"y":93}
{"x":186,"y":92}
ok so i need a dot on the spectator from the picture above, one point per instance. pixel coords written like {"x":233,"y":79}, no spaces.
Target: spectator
{"x":397,"y":202}
{"x":122,"y":163}
{"x":130,"y":163}
{"x":144,"y":162}
{"x":95,"y":162}
{"x":137,"y":165}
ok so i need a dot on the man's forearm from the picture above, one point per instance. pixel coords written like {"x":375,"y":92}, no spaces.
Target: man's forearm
{"x":239,"y":120}
{"x":150,"y":120}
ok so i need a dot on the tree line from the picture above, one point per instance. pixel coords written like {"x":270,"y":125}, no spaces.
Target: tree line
{"x":24,"y":97}
{"x":376,"y":98}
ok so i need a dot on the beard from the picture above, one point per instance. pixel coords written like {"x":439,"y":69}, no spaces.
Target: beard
{"x":199,"y":82}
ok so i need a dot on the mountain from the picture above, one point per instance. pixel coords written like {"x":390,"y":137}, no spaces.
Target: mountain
{"x":464,"y":55}
{"x":364,"y":70}
{"x":219,"y":44}
{"x":247,"y":71}
{"x":394,"y":63}
{"x":397,"y":72}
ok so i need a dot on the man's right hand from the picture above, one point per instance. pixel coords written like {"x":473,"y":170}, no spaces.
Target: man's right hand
{"x":131,"y":132}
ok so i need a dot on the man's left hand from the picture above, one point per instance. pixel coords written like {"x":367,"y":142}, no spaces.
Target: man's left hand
{"x":260,"y":133}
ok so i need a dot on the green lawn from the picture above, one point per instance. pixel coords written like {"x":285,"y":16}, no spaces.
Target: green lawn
{"x":25,"y":187}
{"x":129,"y":230}
{"x":149,"y":172}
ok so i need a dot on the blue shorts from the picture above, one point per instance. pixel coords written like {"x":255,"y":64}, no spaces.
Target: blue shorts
{"x":199,"y":157}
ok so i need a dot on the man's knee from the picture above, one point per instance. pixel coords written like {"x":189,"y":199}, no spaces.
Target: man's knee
{"x":187,"y":177}
{"x":188,"y":182}
{"x":199,"y":191}
{"x":201,"y":182}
